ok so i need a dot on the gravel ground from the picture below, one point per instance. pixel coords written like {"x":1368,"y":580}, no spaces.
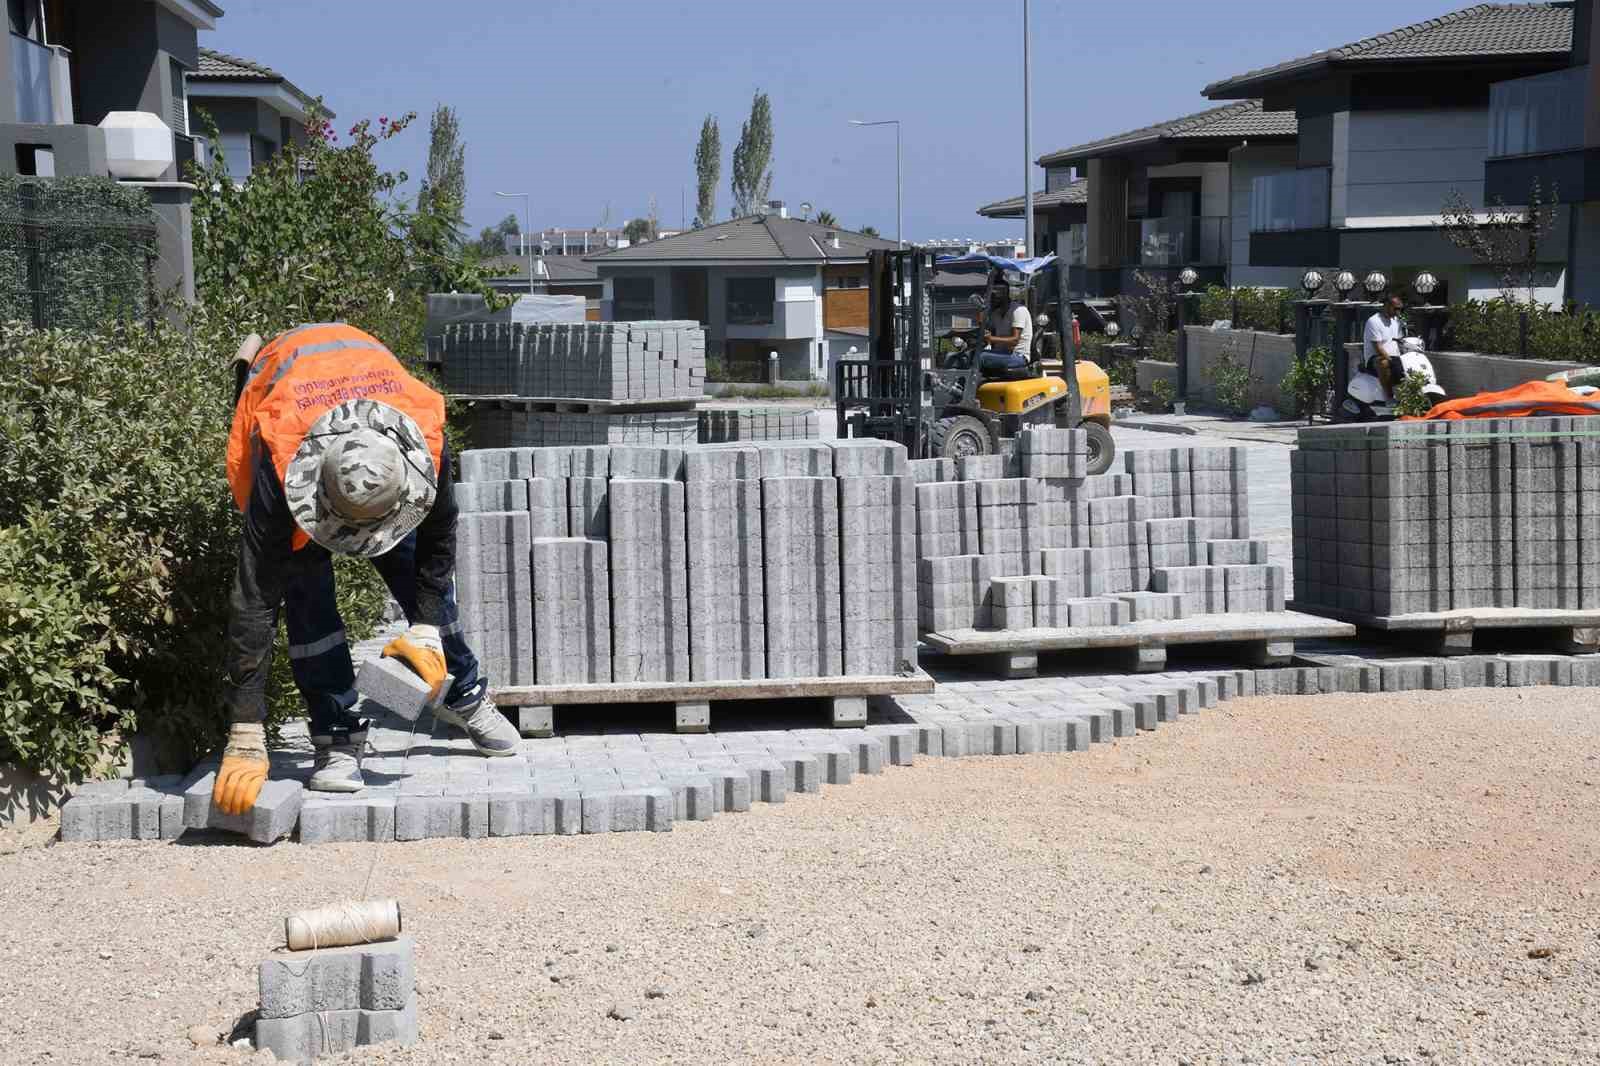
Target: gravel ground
{"x":1326,"y":879}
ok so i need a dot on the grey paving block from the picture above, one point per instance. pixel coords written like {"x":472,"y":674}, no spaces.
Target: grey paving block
{"x":429,"y":817}
{"x":392,"y":685}
{"x":305,"y":1036}
{"x":330,"y":819}
{"x":87,"y":817}
{"x":380,"y":976}
{"x":273,"y":817}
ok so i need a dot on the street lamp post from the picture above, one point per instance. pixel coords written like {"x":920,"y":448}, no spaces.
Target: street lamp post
{"x":527,"y":228}
{"x":1027,"y":136}
{"x":898,"y":184}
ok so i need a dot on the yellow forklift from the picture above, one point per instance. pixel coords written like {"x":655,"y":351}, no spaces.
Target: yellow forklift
{"x":939,"y":396}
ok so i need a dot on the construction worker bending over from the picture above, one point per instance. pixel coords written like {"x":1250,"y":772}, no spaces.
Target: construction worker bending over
{"x":1009,"y":336}
{"x":336,"y":448}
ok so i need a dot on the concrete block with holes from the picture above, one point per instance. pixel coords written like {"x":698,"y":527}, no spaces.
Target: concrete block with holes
{"x":330,"y":1000}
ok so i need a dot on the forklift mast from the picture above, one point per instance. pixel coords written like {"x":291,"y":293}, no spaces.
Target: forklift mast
{"x":882,"y":396}
{"x":1069,"y":345}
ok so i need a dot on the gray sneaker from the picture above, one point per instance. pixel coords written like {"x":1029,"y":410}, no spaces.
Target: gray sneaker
{"x":338,"y":769}
{"x":486,"y":727}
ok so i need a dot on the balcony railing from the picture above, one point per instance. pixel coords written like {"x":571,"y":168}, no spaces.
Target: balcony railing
{"x":1170,"y":242}
{"x":1294,"y":200}
{"x":1537,"y":115}
{"x":41,"y":87}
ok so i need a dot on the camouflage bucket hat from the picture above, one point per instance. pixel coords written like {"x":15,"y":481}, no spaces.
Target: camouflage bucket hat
{"x":362,"y":479}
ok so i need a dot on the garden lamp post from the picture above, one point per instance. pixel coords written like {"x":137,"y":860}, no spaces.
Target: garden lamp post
{"x":1186,"y":280}
{"x":899,"y":185}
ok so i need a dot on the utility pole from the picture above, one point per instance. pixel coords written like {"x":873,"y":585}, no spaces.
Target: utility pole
{"x":1027,"y":136}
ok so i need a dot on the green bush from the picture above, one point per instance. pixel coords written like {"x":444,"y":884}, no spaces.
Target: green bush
{"x":1494,"y":327}
{"x":1265,"y":310}
{"x":1230,"y":382}
{"x":1164,"y":391}
{"x":96,"y":250}
{"x":1308,"y":384}
{"x":1409,"y":399}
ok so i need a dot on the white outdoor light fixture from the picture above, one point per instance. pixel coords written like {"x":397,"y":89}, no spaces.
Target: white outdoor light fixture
{"x":138,"y":145}
{"x":1375,"y":283}
{"x":1188,"y":277}
{"x":1311,"y":281}
{"x":1425,"y":283}
{"x":1344,"y":282}
{"x":1112,"y":329}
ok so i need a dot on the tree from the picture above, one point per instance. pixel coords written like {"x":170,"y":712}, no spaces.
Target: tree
{"x":826,"y":218}
{"x":443,"y":196}
{"x":492,"y":239}
{"x":637,"y":230}
{"x":1508,"y":242}
{"x":752,"y":159}
{"x":868,"y":231}
{"x":707,"y":171}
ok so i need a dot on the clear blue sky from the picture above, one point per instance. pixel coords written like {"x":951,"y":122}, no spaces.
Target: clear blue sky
{"x":585,"y":104}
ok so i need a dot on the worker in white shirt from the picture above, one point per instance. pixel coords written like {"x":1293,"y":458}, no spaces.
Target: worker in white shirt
{"x":1380,"y":341}
{"x":1009,"y":337}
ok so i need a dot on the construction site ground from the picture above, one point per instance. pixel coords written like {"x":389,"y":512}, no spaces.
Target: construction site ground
{"x":1400,"y":877}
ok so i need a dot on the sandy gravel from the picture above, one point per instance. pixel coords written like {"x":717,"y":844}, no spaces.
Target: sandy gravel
{"x":1332,"y":879}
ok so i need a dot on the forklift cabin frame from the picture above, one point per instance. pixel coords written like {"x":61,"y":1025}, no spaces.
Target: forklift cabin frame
{"x":903,"y":386}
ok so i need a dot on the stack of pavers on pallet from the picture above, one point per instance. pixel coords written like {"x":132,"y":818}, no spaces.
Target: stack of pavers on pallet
{"x":1029,"y":541}
{"x":722,"y":425}
{"x":1420,"y":517}
{"x":657,"y":368}
{"x":706,"y":563}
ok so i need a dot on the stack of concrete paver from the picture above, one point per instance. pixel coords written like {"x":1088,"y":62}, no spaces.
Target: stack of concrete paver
{"x":1028,"y":541}
{"x":727,"y":425}
{"x":510,"y":424}
{"x":587,"y":360}
{"x":1422,"y":517}
{"x":706,"y":563}
{"x":330,"y":1000}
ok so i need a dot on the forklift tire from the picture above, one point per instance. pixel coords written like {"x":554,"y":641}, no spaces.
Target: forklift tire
{"x":1102,"y":449}
{"x":957,"y":436}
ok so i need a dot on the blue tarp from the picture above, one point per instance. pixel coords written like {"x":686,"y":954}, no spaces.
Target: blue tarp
{"x":975,"y":261}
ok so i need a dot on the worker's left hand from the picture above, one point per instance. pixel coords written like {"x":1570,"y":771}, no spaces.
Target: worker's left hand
{"x":243,"y":770}
{"x":421,"y":649}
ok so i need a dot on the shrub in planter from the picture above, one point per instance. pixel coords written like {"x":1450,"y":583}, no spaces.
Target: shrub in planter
{"x":1230,"y":382}
{"x":1409,"y":399}
{"x":1308,"y":384}
{"x":1164,"y":392}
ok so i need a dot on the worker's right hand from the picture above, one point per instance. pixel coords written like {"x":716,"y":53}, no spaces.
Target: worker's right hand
{"x":421,"y":648}
{"x":243,"y":770}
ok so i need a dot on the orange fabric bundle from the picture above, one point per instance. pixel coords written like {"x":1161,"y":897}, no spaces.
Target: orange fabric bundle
{"x":1529,"y":398}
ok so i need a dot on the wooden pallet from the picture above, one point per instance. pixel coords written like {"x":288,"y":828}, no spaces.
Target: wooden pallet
{"x":581,"y":405}
{"x":1452,"y":632}
{"x":532,"y":707}
{"x":1268,"y":639}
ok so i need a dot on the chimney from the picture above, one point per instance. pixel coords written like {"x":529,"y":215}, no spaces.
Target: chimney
{"x":776,"y":207}
{"x":833,"y":238}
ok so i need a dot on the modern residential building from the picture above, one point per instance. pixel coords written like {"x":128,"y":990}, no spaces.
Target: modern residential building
{"x":257,"y":111}
{"x":558,"y":240}
{"x":1545,"y":128}
{"x":1008,"y":247}
{"x":1392,"y":125}
{"x":1160,"y":198}
{"x":553,"y":275}
{"x":759,"y":284}
{"x":1057,"y":209}
{"x":70,"y":63}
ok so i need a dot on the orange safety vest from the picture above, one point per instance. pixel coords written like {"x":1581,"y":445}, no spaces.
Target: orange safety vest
{"x":1531,"y":398}
{"x":302,"y":374}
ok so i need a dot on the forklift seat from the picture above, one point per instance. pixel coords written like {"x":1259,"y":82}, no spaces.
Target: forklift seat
{"x":1004,"y":366}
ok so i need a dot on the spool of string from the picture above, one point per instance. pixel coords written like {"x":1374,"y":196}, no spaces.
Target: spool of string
{"x":342,"y":924}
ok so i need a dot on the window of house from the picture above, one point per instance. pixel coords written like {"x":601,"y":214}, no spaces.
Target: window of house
{"x":236,"y":150}
{"x":633,"y":299}
{"x":750,"y":301}
{"x":179,"y":119}
{"x":846,"y":281}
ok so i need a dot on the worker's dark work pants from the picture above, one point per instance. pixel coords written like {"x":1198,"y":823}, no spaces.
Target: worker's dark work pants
{"x":991,"y":361}
{"x":319,"y":655}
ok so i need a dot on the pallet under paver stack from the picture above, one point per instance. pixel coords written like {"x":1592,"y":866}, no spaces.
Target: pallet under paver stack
{"x":583,"y":383}
{"x":726,"y":425}
{"x":1450,"y":525}
{"x":1025,"y":553}
{"x":690,"y":566}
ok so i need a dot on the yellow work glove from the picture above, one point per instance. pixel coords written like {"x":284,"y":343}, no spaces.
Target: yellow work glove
{"x":420,"y":648}
{"x":243,"y":770}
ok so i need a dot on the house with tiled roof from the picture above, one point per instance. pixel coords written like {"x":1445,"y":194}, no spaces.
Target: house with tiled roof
{"x":760,"y":284}
{"x":1158,"y":199}
{"x":257,"y":111}
{"x":1392,"y":125}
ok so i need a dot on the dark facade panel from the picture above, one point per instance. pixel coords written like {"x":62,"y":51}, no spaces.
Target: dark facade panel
{"x":1572,"y":176}
{"x":1294,"y":248}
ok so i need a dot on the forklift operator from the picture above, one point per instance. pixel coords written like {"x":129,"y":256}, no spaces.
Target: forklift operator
{"x":1010,"y":334}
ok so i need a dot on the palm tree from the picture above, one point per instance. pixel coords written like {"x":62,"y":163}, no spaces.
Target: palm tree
{"x":825,"y":218}
{"x":868,"y":231}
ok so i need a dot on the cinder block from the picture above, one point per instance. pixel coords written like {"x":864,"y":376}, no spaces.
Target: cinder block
{"x":331,"y":819}
{"x":372,"y":977}
{"x":305,"y":1036}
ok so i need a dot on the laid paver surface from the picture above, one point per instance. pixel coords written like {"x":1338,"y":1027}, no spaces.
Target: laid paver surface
{"x":1402,"y":877}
